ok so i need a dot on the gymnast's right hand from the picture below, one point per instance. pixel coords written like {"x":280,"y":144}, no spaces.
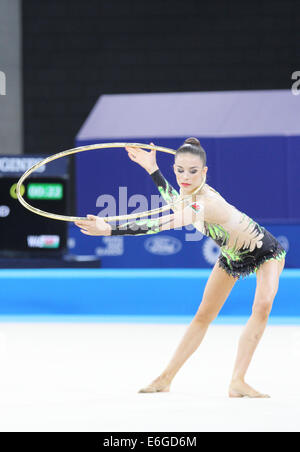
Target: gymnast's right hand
{"x":94,"y":226}
{"x":145,"y":159}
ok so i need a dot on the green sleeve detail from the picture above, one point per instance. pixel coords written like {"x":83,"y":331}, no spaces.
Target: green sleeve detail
{"x":168,"y":193}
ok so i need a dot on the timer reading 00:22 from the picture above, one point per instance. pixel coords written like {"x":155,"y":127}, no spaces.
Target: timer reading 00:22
{"x":45,"y":191}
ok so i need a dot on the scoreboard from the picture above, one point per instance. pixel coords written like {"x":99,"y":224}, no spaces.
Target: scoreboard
{"x":23,"y":233}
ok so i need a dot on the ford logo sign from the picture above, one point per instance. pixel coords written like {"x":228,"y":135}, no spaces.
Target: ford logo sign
{"x":163,"y":246}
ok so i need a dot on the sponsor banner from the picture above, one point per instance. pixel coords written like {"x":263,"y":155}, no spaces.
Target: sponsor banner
{"x":170,"y":250}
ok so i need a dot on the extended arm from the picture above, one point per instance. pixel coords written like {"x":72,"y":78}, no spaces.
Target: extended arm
{"x":94,"y":225}
{"x":193,"y":213}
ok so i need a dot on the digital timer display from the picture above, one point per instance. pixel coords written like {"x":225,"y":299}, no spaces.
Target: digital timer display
{"x":45,"y":191}
{"x":22,"y":232}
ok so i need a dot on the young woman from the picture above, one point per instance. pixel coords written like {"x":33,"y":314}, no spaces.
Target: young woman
{"x":245,"y":246}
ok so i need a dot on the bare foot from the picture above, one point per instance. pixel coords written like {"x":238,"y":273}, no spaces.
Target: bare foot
{"x":239,"y":389}
{"x":160,"y":384}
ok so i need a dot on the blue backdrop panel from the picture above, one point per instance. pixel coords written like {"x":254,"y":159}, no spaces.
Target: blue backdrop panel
{"x":252,"y":141}
{"x":253,"y":173}
{"x":170,"y":250}
{"x":256,"y":174}
{"x":161,"y":292}
{"x":293,"y":179}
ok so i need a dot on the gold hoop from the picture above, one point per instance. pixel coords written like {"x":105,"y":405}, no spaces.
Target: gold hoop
{"x":49,"y":159}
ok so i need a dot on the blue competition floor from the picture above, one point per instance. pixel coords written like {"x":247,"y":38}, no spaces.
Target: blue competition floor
{"x":221,"y":320}
{"x":132,"y":295}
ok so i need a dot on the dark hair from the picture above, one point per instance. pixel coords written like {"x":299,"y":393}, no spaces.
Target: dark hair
{"x":192,"y":146}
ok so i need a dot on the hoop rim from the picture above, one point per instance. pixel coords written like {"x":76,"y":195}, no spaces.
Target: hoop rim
{"x":79,"y":149}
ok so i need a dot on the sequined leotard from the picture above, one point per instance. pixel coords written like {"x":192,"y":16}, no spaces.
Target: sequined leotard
{"x":244,"y":244}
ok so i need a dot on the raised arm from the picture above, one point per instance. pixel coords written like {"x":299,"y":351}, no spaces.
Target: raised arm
{"x":147,"y":160}
{"x":166,"y":190}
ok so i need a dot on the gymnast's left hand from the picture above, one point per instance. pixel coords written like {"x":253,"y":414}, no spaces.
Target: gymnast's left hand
{"x":94,"y":225}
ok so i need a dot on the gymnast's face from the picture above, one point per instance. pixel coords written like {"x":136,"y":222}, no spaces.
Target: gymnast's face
{"x":189,"y":171}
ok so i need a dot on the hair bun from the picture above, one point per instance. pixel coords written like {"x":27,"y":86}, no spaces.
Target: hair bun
{"x":193,"y":141}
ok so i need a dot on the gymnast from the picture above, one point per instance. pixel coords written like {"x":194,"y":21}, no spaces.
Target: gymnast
{"x":245,"y":248}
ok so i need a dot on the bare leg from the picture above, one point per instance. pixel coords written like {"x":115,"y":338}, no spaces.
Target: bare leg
{"x":215,"y":294}
{"x":247,"y":346}
{"x":190,"y":342}
{"x":266,"y":289}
